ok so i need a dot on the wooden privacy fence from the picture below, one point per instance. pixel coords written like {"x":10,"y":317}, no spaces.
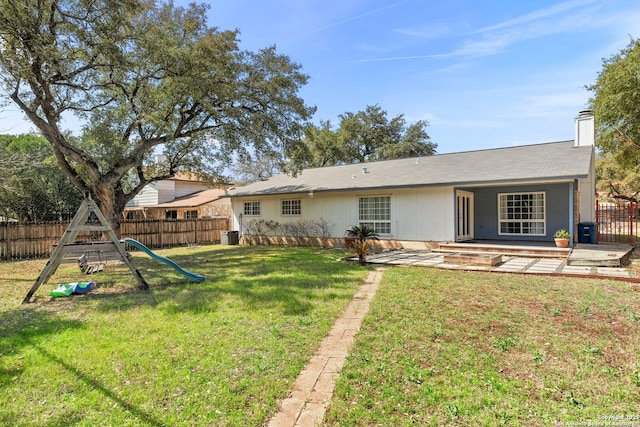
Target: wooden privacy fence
{"x":36,"y":240}
{"x":170,"y":233}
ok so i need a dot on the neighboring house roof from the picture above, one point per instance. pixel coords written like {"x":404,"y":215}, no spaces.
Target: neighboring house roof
{"x":190,"y":201}
{"x":541,"y":162}
{"x":185,"y":176}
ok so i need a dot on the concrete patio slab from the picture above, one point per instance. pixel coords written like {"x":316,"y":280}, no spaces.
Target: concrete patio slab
{"x":569,"y":269}
{"x":602,"y":255}
{"x":519,"y":264}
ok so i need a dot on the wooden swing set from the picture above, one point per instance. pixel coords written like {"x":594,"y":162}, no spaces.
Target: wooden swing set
{"x":85,"y":220}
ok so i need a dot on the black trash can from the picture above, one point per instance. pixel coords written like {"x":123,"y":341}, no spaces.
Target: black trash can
{"x":587,"y":232}
{"x":229,"y":238}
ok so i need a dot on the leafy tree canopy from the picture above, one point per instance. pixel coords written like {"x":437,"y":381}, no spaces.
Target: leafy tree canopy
{"x":33,"y":187}
{"x":364,"y":136}
{"x":616,"y":105}
{"x":138,"y":77}
{"x":615,"y":180}
{"x":248,"y":168}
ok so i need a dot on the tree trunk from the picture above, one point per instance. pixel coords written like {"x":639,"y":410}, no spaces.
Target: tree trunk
{"x":105,"y":197}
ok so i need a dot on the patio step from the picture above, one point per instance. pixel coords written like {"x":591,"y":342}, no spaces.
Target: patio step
{"x":603,"y":255}
{"x":509,"y":250}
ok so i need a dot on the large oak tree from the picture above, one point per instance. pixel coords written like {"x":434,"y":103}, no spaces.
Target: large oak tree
{"x":138,"y":77}
{"x":364,"y":136}
{"x":616,"y":105}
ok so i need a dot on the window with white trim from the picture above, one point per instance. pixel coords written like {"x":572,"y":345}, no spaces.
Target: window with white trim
{"x":252,"y":208}
{"x":375,"y":212}
{"x":291,"y":207}
{"x":521,"y":213}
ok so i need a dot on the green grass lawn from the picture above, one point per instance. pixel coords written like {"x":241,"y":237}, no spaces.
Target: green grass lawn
{"x":437,"y":348}
{"x":221,"y":352}
{"x":473,"y":349}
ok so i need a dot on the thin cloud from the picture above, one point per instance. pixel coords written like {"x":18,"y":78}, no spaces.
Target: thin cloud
{"x":398,"y":58}
{"x":433,"y":119}
{"x":538,"y":14}
{"x":347,"y":20}
{"x":431,"y":32}
{"x":548,"y":105}
{"x":494,"y":39}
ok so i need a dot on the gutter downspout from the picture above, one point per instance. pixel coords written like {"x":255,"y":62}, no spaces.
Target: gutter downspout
{"x":572,"y":212}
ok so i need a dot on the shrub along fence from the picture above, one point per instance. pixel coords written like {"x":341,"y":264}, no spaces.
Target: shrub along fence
{"x":36,"y":240}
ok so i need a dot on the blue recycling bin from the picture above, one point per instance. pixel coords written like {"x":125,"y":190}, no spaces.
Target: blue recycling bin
{"x":587,"y":232}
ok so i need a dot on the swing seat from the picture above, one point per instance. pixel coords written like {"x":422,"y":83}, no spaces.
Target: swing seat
{"x":84,"y":220}
{"x":88,"y":267}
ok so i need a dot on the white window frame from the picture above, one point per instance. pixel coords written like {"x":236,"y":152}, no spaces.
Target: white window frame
{"x":252,"y":208}
{"x":380,"y":218}
{"x":291,"y":207}
{"x":529,"y":218}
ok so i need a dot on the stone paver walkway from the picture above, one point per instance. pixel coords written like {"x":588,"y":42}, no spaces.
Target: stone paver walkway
{"x":312,"y":391}
{"x":510,"y":264}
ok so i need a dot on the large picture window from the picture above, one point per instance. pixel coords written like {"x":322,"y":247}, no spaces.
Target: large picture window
{"x":521,"y":213}
{"x":375,"y":212}
{"x":291,"y":207}
{"x":252,"y":208}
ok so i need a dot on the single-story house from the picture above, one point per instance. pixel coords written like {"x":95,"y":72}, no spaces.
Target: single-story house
{"x":182,"y":197}
{"x":523,"y":193}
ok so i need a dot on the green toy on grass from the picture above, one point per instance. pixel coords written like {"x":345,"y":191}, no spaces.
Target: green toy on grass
{"x":75,"y":288}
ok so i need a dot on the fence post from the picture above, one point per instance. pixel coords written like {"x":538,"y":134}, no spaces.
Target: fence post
{"x":632,"y":210}
{"x":4,"y":244}
{"x":598,"y":221}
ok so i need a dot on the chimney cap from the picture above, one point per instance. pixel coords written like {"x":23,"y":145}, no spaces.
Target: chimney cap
{"x":583,"y":113}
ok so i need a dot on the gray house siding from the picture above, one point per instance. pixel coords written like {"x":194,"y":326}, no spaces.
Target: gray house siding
{"x":558,"y":212}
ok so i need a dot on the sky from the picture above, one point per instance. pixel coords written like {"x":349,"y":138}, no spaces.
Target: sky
{"x":484,"y":74}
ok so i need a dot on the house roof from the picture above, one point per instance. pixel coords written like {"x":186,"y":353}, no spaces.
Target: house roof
{"x":185,"y":176}
{"x":556,"y":161}
{"x":192,"y":200}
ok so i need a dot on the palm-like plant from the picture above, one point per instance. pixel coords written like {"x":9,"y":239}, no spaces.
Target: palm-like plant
{"x":362,"y":233}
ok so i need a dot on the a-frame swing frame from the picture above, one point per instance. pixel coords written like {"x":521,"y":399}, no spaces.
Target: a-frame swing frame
{"x":78,"y":224}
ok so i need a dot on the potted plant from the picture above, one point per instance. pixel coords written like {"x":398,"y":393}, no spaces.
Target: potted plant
{"x":361,"y":234}
{"x":561,"y":238}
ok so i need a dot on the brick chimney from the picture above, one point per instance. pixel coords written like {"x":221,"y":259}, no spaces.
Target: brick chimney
{"x":585,"y":129}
